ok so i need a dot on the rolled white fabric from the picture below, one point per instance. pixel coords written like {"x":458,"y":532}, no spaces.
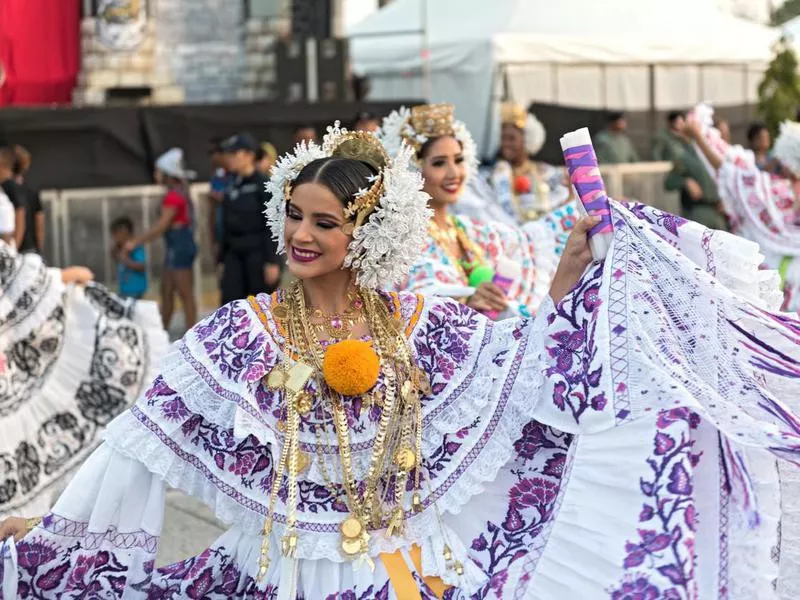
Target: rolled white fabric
{"x":584,"y":173}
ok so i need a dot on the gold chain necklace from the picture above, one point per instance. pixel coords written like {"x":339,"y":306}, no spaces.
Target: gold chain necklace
{"x":397,"y":445}
{"x":355,"y":538}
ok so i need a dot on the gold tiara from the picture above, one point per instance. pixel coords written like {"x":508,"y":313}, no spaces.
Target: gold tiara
{"x":430,"y":121}
{"x":513,"y":114}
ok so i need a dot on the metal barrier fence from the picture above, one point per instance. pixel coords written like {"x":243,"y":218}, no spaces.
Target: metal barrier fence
{"x":78,"y":221}
{"x":78,"y":230}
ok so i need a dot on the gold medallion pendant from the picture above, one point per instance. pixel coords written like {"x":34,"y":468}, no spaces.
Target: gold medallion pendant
{"x":351,"y":528}
{"x":276,"y":378}
{"x":351,"y":548}
{"x":354,"y":537}
{"x":303,"y":402}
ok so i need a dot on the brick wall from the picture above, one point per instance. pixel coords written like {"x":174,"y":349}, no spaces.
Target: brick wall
{"x":202,"y":42}
{"x":194,"y":51}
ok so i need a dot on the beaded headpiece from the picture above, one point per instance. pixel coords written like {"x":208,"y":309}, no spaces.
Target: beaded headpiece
{"x":388,"y":220}
{"x":422,"y":123}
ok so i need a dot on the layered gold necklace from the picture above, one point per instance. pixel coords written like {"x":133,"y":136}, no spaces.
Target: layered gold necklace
{"x":455,"y":243}
{"x":378,"y":501}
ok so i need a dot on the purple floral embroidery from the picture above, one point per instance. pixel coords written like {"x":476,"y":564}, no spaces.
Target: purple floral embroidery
{"x":534,"y":438}
{"x":212,"y":575}
{"x":538,"y":467}
{"x":443,"y":341}
{"x":646,"y":514}
{"x":32,"y":555}
{"x":174,"y":409}
{"x":369,"y":594}
{"x":45,"y":573}
{"x":479,"y":543}
{"x":666,"y":545}
{"x":444,"y":454}
{"x":660,"y":219}
{"x":157,"y":390}
{"x":576,"y":371}
{"x":538,"y":492}
{"x":637,"y":588}
{"x":554,"y":467}
{"x":248,"y":458}
{"x":235,"y":344}
{"x":650,"y":543}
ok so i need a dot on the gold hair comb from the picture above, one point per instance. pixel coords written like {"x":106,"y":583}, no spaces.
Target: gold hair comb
{"x":363,"y":146}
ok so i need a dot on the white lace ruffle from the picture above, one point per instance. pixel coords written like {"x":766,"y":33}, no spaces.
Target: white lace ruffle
{"x":545,"y":259}
{"x":43,"y":288}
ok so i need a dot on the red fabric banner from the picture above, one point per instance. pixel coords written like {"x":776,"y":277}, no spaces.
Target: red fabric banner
{"x":40,"y":44}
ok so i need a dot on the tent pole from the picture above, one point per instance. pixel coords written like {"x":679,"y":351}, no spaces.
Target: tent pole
{"x":652,"y":111}
{"x":426,"y":52}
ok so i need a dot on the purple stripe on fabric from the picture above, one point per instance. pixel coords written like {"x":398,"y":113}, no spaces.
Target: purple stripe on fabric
{"x":584,"y":173}
{"x":64,"y":527}
{"x":724,"y":507}
{"x":618,"y":324}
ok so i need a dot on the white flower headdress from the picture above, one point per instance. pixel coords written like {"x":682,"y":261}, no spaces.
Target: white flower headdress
{"x":422,"y":123}
{"x":787,"y":146}
{"x":388,"y":220}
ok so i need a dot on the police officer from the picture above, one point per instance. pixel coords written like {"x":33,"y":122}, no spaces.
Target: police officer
{"x":250,"y":262}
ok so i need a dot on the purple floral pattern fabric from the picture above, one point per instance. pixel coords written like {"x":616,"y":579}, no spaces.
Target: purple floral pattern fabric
{"x":443,"y":341}
{"x":537,"y":468}
{"x":576,"y":367}
{"x":661,"y":560}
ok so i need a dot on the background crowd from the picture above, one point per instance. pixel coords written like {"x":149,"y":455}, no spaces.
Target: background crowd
{"x":246,"y":260}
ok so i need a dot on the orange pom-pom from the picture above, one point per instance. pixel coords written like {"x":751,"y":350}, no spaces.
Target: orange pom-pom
{"x":351,"y":367}
{"x":522,"y":185}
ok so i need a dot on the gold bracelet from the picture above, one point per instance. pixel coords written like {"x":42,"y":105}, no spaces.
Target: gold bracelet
{"x":32,"y":523}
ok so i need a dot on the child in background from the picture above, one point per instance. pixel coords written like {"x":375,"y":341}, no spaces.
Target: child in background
{"x":131,"y":267}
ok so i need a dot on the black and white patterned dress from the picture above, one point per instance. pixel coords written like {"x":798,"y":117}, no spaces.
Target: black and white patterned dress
{"x":71,"y":359}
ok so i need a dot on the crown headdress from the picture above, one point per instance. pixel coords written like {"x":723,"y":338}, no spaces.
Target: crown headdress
{"x":514,"y":114}
{"x":425,"y":122}
{"x":388,"y":219}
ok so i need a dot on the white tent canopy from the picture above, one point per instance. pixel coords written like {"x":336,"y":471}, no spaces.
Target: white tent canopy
{"x":792,"y":29}
{"x":584,"y":53}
